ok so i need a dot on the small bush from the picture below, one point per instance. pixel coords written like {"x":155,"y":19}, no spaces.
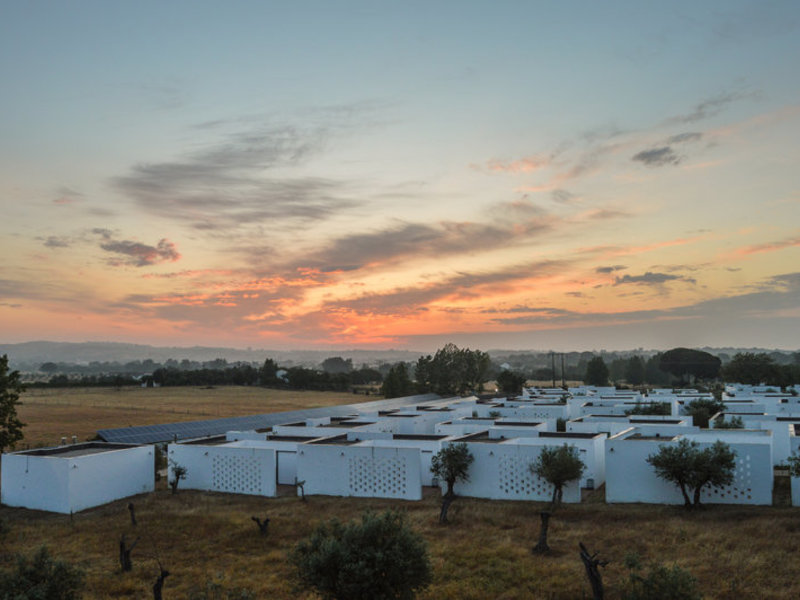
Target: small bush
{"x":41,"y":578}
{"x":379,"y":558}
{"x":660,"y":582}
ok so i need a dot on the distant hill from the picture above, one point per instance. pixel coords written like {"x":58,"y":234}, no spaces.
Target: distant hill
{"x":29,"y":356}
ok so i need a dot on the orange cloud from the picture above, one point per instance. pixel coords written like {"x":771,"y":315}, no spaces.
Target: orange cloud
{"x":769,"y":246}
{"x":524,"y":165}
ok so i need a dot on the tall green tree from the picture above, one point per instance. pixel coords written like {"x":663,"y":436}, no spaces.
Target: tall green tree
{"x":380,"y":558}
{"x":752,"y":369}
{"x":397,"y":383}
{"x":451,"y":464}
{"x":10,"y":389}
{"x":691,"y":468}
{"x":596,"y":372}
{"x":634,"y":370}
{"x":452,"y":370}
{"x":511,"y":382}
{"x":558,"y":465}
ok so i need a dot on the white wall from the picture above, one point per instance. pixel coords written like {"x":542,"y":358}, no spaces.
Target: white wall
{"x":75,"y":483}
{"x":226,"y":468}
{"x":501,"y":471}
{"x":629,"y":478}
{"x":360,"y":470}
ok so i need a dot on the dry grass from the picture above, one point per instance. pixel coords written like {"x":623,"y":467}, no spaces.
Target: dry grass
{"x":735,"y":552}
{"x":51,"y":414}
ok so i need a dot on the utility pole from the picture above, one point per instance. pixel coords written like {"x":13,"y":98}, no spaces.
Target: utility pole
{"x":553,"y":357}
{"x":563,"y":376}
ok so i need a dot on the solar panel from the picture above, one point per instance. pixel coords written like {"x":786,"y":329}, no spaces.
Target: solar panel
{"x":166,"y":432}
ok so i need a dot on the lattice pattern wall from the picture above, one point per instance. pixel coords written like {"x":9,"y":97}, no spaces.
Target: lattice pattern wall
{"x":378,"y":477}
{"x":515,"y":479}
{"x":236,"y":474}
{"x":740,"y":491}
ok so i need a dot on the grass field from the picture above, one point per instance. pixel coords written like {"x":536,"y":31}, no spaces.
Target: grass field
{"x":741,"y":553}
{"x":735,"y":552}
{"x":51,"y":414}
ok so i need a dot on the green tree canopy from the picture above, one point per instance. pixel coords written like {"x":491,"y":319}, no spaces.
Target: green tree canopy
{"x":380,"y":558}
{"x":452,"y":370}
{"x":558,"y":465}
{"x":451,"y":464}
{"x":635,"y":370}
{"x":686,"y":363}
{"x":397,"y":383}
{"x":596,"y":372}
{"x":691,"y":468}
{"x":752,"y":369}
{"x":10,"y":389}
{"x":511,"y":382}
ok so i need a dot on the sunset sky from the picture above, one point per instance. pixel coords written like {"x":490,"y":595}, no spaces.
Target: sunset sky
{"x":539,"y":175}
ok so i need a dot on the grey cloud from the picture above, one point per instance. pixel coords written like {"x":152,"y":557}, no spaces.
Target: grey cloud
{"x":56,"y":242}
{"x":141,"y":255}
{"x":657,"y":157}
{"x":709,"y":107}
{"x":689,"y":136}
{"x":651,"y":278}
{"x":610,"y":269}
{"x":562,"y":196}
{"x":105,"y":233}
{"x":416,"y":239}
{"x":225,"y":185}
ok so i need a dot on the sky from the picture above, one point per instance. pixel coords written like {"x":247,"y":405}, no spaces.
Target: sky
{"x":319,"y":175}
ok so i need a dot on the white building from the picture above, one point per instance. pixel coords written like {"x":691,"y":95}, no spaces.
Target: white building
{"x":68,"y":479}
{"x":630,"y":478}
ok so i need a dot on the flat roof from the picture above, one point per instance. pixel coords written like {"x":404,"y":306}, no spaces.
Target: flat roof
{"x":167,"y":432}
{"x":77,"y":449}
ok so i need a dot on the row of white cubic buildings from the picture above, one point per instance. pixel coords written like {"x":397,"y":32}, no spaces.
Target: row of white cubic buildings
{"x":388,"y":454}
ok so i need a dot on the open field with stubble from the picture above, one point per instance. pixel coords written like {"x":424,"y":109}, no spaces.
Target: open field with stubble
{"x":53,"y":413}
{"x":736,"y":553}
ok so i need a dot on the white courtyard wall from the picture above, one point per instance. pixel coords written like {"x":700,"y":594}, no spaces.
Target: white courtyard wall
{"x":501,"y":472}
{"x":226,"y":468}
{"x":360,"y":470}
{"x":629,"y":478}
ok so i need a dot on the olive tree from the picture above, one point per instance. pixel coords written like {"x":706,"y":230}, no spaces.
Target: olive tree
{"x":558,"y":465}
{"x":380,"y":558}
{"x":451,"y":464}
{"x":691,"y":468}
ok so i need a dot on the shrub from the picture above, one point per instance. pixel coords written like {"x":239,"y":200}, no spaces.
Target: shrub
{"x":376,"y":559}
{"x":41,"y":578}
{"x":660,"y":582}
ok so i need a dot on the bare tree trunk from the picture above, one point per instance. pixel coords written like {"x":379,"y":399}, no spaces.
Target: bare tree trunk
{"x":133,"y":513}
{"x":541,"y":547}
{"x":262,"y":525}
{"x":125,"y":562}
{"x":159,"y":584}
{"x":592,"y":565}
{"x":447,"y":500}
{"x":300,"y":485}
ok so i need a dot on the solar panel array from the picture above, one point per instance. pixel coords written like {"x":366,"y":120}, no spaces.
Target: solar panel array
{"x":167,"y":432}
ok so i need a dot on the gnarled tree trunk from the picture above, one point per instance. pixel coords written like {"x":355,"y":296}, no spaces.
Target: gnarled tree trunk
{"x":541,"y":546}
